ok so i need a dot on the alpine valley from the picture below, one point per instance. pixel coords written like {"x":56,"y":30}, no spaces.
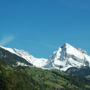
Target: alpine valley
{"x":68,"y":68}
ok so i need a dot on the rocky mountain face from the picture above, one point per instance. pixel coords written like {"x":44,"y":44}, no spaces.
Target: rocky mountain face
{"x":68,"y":56}
{"x":11,"y":58}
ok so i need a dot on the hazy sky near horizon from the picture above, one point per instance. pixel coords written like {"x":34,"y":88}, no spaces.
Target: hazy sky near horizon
{"x":41,"y":26}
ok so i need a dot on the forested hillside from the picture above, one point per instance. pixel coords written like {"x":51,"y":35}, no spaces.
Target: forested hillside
{"x":30,"y":78}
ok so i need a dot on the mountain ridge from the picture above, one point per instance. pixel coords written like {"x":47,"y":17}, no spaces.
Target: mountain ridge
{"x":63,"y":58}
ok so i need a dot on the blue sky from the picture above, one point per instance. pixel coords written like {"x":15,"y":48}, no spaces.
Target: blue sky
{"x":41,"y":26}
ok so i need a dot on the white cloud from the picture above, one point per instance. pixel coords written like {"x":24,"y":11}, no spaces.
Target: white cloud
{"x":7,"y":39}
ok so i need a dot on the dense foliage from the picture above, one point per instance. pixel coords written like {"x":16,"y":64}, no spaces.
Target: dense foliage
{"x":80,"y":72}
{"x":30,"y":78}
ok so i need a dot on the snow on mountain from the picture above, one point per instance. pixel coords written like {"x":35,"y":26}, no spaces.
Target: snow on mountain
{"x":38,"y":62}
{"x":67,"y":56}
{"x":64,"y":58}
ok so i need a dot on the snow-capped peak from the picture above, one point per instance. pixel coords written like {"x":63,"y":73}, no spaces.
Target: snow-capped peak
{"x":66,"y":45}
{"x":68,"y":56}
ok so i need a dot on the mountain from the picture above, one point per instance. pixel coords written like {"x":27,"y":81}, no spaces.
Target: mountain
{"x":7,"y":55}
{"x":65,"y":58}
{"x":20,"y":57}
{"x":18,"y":70}
{"x":68,"y":56}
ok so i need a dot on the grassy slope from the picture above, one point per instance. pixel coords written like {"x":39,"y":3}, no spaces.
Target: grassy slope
{"x":30,"y":78}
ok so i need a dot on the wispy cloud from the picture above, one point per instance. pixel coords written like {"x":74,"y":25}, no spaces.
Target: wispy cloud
{"x":6,"y":40}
